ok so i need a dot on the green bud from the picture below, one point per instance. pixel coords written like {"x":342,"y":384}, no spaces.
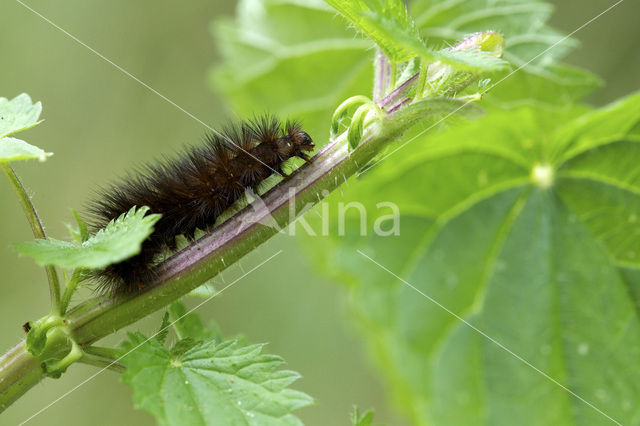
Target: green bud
{"x":449,"y":80}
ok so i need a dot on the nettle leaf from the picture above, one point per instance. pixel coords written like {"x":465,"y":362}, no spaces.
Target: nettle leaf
{"x":531,"y":241}
{"x":273,"y":48}
{"x":119,"y":240}
{"x":163,"y":332}
{"x":492,"y":225}
{"x":271,"y":56}
{"x":467,"y":59}
{"x":600,"y":175}
{"x":528,"y":38}
{"x":12,"y":149}
{"x":83,"y":229}
{"x":400,"y":40}
{"x":210,"y":383}
{"x":361,"y":419}
{"x":18,"y":114}
{"x":600,"y":127}
{"x":385,"y":22}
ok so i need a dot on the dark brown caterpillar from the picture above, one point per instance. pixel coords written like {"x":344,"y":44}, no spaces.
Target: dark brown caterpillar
{"x":192,"y":190}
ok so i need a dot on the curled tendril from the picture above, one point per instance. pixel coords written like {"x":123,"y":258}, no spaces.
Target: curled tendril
{"x":367,"y":112}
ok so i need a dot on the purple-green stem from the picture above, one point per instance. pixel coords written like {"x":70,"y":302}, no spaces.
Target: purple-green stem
{"x":210,"y":255}
{"x":202,"y":260}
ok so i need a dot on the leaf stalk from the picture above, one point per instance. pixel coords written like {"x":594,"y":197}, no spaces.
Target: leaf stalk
{"x":38,"y":232}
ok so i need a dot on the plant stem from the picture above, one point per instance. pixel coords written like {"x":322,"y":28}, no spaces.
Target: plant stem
{"x":20,"y":371}
{"x":382,"y":72}
{"x":230,"y":241}
{"x":38,"y":232}
{"x":102,"y":352}
{"x":70,"y":288}
{"x":205,"y":258}
{"x":227,"y":243}
{"x":101,"y":362}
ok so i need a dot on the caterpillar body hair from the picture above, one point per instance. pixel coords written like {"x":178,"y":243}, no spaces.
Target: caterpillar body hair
{"x":193,"y":189}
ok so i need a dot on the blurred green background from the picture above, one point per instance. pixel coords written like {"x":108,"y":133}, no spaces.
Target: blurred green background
{"x":100,"y":122}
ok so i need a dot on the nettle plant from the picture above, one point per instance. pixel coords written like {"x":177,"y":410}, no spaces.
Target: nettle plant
{"x":519,"y":224}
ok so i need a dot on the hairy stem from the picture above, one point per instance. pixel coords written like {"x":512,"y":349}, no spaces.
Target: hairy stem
{"x":382,"y":74}
{"x":38,"y":232}
{"x":186,"y":270}
{"x":230,"y":241}
{"x":20,"y":370}
{"x":205,"y":258}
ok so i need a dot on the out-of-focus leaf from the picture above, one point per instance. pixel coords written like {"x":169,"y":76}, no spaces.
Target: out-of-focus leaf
{"x":12,"y":149}
{"x":528,"y":239}
{"x":273,"y":49}
{"x":18,"y":114}
{"x":601,"y":127}
{"x":492,"y":223}
{"x":361,"y":419}
{"x":163,"y":332}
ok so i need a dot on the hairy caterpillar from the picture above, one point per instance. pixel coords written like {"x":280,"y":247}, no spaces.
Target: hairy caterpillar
{"x":192,"y":190}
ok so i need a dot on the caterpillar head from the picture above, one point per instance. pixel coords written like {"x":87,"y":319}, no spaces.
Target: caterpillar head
{"x":303,"y":141}
{"x":297,"y":143}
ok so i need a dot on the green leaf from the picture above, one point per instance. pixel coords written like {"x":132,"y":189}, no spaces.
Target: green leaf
{"x":39,"y":333}
{"x":530,"y":43}
{"x":12,"y":149}
{"x":83,"y":230}
{"x":18,"y":114}
{"x":163,"y":332}
{"x":538,"y":254}
{"x":361,"y":419}
{"x":564,"y":86}
{"x":468,"y":59}
{"x":210,"y":383}
{"x":493,"y":224}
{"x":119,"y":240}
{"x":409,"y":43}
{"x":36,"y":341}
{"x":270,"y":57}
{"x":385,"y":22}
{"x":183,"y":346}
{"x":603,"y":126}
{"x":599,"y":176}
